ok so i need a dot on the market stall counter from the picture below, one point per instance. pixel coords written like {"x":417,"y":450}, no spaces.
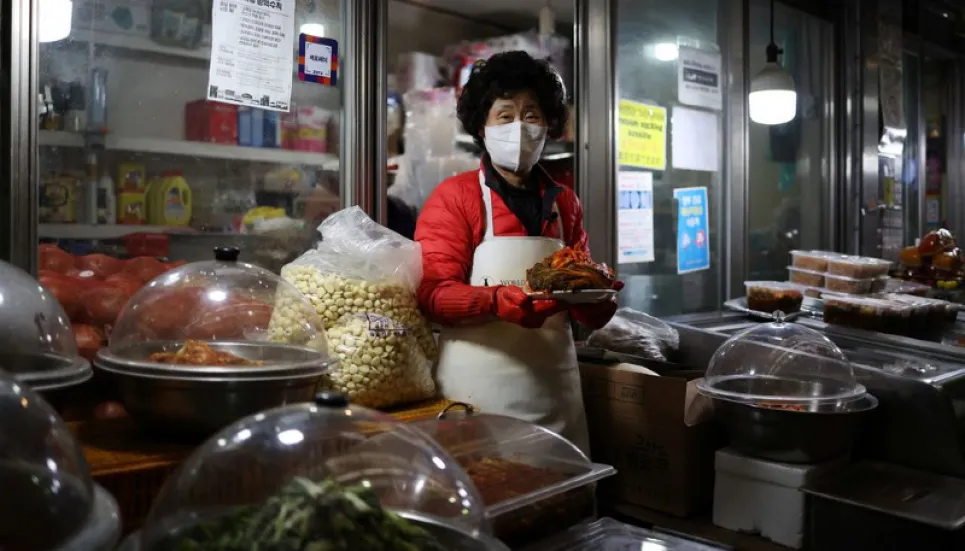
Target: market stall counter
{"x":318,"y":475}
{"x":133,"y":464}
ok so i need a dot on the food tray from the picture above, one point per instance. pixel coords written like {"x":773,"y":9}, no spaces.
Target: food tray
{"x":773,"y":296}
{"x":848,"y":285}
{"x":533,"y":482}
{"x":808,"y":278}
{"x":858,"y":267}
{"x":580,"y":296}
{"x":607,"y":534}
{"x":811,"y":260}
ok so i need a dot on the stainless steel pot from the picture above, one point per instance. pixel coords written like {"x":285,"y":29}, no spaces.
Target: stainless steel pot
{"x":196,"y":401}
{"x":818,"y":433}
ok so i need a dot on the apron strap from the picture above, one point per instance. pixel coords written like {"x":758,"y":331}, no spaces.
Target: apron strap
{"x":488,"y":203}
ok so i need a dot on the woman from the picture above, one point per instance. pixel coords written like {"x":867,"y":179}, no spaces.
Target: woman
{"x":501,"y":350}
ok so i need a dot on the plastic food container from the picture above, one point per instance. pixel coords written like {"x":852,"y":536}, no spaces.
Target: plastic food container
{"x":858,"y":267}
{"x":848,"y":285}
{"x":48,"y":499}
{"x":786,"y":393}
{"x":310,"y":472}
{"x":939,"y":311}
{"x":809,"y":278}
{"x":773,"y":296}
{"x":879,"y":284}
{"x":816,"y":261}
{"x":533,"y":482}
{"x":871,"y":314}
{"x":609,"y":534}
{"x":892,"y":285}
{"x":210,"y":342}
{"x":37,"y":344}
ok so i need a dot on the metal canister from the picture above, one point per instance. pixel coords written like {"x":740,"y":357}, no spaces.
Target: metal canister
{"x":97,"y":111}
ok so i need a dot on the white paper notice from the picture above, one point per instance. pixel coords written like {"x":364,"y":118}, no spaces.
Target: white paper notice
{"x":318,"y":60}
{"x":699,"y":78}
{"x":695,"y":139}
{"x":635,"y":217}
{"x":252,"y":53}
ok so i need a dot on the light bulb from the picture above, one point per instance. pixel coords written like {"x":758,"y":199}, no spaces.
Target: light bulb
{"x":665,"y":51}
{"x":772,"y":99}
{"x":312,"y":29}
{"x":55,"y":16}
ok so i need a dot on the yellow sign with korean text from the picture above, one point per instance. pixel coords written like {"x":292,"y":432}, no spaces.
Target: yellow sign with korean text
{"x":642,"y":135}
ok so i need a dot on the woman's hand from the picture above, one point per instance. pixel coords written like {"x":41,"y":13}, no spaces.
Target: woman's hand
{"x":595,"y":316}
{"x":514,"y":305}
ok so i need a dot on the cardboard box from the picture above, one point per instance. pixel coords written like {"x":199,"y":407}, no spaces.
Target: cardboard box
{"x":656,"y":431}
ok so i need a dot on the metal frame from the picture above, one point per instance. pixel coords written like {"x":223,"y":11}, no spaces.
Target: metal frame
{"x":363,"y":174}
{"x":596,"y":151}
{"x":18,"y":198}
{"x":734,"y":204}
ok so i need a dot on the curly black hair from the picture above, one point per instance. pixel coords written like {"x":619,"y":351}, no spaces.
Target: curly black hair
{"x":504,"y":75}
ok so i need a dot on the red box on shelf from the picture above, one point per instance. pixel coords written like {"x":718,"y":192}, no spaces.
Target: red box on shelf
{"x":210,"y":121}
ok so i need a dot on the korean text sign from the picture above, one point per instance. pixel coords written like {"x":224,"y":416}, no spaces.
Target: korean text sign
{"x":693,"y":239}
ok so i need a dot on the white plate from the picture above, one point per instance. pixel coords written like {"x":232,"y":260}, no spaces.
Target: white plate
{"x":586,"y":296}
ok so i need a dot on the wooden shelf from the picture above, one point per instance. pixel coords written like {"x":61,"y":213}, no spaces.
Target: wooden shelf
{"x":325,"y":161}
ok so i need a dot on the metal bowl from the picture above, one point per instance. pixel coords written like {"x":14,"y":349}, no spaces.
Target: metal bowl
{"x":46,"y":372}
{"x":197,"y":401}
{"x":814,"y":432}
{"x":452,"y":537}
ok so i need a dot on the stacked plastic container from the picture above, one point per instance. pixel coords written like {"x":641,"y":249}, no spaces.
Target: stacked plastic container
{"x":838,"y":273}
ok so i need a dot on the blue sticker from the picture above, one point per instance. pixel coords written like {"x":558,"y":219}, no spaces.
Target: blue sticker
{"x":693,"y":239}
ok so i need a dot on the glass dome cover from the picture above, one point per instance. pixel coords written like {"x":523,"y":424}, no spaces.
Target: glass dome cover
{"x":278,"y":471}
{"x":37,"y":344}
{"x":780,"y":363}
{"x":47,"y":491}
{"x":220,"y":314}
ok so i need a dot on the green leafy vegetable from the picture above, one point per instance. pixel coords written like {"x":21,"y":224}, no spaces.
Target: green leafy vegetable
{"x":309,"y":516}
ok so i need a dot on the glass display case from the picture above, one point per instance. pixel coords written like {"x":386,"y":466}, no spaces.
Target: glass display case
{"x":213,"y":341}
{"x":48,"y":500}
{"x":531,"y":480}
{"x":319,"y":474}
{"x":37,"y":342}
{"x":166,"y":126}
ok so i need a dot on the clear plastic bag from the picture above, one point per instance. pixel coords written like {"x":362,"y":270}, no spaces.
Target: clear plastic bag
{"x":361,"y":267}
{"x":636,"y":333}
{"x":380,"y":362}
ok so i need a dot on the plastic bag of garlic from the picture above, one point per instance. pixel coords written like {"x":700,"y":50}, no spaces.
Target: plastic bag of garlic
{"x":363,"y":268}
{"x":380,"y":364}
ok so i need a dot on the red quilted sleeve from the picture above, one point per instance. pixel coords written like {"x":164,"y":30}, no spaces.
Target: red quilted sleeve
{"x":445,"y":230}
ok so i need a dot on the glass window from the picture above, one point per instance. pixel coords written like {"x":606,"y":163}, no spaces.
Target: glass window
{"x":651,"y":35}
{"x":910,"y":166}
{"x":134,"y":159}
{"x":788,"y":164}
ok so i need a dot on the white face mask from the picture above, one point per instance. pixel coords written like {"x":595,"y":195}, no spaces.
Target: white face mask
{"x":515,"y":146}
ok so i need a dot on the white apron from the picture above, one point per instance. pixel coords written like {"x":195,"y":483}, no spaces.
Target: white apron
{"x":503,"y":368}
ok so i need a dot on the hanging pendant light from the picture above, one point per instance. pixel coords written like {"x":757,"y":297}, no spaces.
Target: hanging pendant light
{"x":54,"y":18}
{"x":772,"y":99}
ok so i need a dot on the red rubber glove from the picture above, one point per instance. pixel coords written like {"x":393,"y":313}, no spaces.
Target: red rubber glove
{"x":512,"y":304}
{"x":595,"y":316}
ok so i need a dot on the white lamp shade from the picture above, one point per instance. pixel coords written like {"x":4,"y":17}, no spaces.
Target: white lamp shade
{"x":54,"y":21}
{"x":772,"y":99}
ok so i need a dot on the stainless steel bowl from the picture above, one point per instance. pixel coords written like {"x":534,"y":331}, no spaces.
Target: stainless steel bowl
{"x":452,"y":537}
{"x":819,"y":432}
{"x":196,"y":401}
{"x":46,"y":372}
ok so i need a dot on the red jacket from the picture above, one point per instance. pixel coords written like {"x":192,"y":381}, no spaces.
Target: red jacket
{"x":450,"y":227}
